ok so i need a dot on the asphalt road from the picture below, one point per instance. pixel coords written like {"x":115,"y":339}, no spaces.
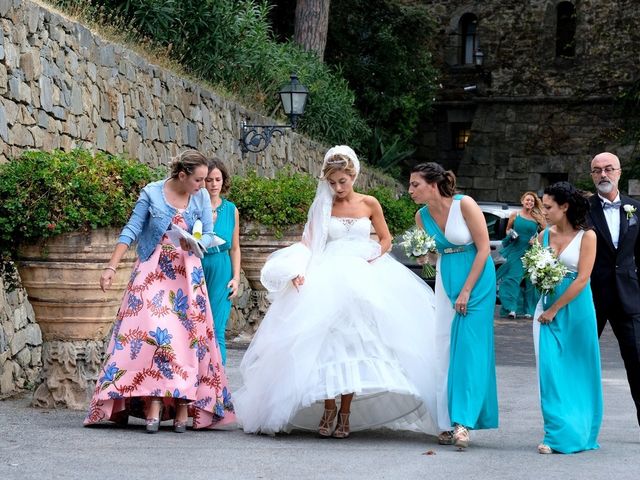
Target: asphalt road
{"x":52,"y":444}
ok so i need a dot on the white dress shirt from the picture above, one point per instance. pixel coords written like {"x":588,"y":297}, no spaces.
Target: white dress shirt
{"x":612,"y":215}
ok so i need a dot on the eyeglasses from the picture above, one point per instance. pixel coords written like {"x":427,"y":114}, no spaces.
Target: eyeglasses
{"x":607,"y":170}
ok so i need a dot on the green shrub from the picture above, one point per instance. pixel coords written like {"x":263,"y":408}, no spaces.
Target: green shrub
{"x":43,"y":194}
{"x":384,"y":50}
{"x":277,"y":202}
{"x":399,"y":212}
{"x":284,"y":201}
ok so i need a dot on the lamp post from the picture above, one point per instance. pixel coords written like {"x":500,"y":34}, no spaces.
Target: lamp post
{"x":293,"y":97}
{"x":478,"y":57}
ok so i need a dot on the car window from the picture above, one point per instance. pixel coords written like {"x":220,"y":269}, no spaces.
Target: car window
{"x":493,"y":225}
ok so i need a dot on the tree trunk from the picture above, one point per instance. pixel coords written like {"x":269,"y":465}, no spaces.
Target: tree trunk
{"x":311,"y":25}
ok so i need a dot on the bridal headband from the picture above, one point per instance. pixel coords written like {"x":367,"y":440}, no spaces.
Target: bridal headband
{"x":341,"y":150}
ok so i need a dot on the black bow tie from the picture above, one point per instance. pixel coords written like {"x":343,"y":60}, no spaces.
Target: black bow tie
{"x":606,"y":205}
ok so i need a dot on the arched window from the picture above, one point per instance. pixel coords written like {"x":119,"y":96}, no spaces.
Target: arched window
{"x":566,"y":30}
{"x":468,"y":29}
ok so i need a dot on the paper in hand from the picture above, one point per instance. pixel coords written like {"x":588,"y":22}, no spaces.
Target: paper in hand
{"x":176,"y":233}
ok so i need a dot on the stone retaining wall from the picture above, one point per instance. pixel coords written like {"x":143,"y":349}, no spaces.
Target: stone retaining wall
{"x":20,"y":343}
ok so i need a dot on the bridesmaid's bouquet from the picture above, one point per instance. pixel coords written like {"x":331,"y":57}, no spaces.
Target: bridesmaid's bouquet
{"x":417,"y":243}
{"x":543,"y":268}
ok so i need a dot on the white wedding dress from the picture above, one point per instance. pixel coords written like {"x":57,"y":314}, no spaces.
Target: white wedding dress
{"x":355,"y":326}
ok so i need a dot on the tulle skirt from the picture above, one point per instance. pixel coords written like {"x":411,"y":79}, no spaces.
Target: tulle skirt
{"x":354,"y":327}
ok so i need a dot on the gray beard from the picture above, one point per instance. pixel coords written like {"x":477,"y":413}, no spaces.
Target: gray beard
{"x":606,"y":187}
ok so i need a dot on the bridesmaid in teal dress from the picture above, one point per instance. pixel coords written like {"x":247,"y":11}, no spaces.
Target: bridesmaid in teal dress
{"x":518,"y":296}
{"x":222,"y":263}
{"x":565,"y":330}
{"x":465,"y":298}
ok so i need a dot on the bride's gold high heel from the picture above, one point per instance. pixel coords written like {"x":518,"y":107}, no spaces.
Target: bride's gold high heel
{"x":446,"y":437}
{"x":342,"y":430}
{"x":325,"y":429}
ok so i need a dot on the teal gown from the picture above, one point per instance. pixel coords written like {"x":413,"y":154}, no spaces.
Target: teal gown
{"x":471,"y":380}
{"x":568,"y":356}
{"x":515,"y":294}
{"x":218,"y":272}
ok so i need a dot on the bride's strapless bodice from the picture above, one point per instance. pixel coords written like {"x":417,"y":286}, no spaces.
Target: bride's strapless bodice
{"x":349,"y":228}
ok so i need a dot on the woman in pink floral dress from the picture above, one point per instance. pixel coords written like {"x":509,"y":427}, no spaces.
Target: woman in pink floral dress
{"x":163,"y":360}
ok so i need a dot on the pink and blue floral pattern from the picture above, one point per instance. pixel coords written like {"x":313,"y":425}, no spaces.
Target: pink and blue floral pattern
{"x":163,"y":344}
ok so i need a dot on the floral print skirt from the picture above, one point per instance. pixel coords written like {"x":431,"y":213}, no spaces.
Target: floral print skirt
{"x":163,"y":345}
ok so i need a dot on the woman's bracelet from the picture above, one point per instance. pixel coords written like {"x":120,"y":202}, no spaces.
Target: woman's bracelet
{"x":109,"y":267}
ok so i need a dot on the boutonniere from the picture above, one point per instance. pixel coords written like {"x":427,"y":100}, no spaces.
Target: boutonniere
{"x":630,"y":210}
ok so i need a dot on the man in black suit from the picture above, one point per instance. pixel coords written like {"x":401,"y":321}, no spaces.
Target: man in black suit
{"x":614,"y":280}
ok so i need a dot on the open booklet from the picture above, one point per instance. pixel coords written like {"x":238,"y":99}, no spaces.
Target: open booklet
{"x":175,"y":233}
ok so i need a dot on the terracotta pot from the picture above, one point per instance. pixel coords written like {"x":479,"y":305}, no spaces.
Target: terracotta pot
{"x":257,"y":242}
{"x":62,"y":278}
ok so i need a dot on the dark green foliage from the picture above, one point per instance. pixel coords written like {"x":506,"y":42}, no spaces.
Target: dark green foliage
{"x":284,"y":201}
{"x":383,"y":48}
{"x":277,"y":202}
{"x":47,"y":193}
{"x":229,"y":43}
{"x":388,"y":157}
{"x":398,"y":212}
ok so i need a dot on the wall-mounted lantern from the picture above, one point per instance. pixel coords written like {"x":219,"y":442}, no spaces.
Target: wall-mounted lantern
{"x":293,"y":96}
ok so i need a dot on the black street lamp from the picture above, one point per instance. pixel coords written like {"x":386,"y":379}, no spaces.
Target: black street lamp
{"x":293,"y":96}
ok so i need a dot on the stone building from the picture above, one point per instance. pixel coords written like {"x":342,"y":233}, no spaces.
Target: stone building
{"x":527,"y":90}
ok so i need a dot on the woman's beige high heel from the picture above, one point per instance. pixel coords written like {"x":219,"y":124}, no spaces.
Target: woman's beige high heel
{"x":325,"y":429}
{"x":544,"y":449}
{"x":461,"y":436}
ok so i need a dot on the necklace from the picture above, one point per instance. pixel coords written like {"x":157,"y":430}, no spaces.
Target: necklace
{"x":217,"y":210}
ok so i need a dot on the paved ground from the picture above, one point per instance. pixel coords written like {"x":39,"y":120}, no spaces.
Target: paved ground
{"x":52,"y":444}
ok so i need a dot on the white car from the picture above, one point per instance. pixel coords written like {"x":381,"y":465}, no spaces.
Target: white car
{"x":496,"y":215}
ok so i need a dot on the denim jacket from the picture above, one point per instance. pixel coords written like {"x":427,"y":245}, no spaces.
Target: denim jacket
{"x":152,"y":216}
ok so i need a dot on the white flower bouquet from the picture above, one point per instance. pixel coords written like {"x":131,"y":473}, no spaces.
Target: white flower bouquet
{"x":543,"y":268}
{"x":417,"y":243}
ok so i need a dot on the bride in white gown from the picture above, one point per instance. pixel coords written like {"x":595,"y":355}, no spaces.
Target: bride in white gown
{"x":348,"y":322}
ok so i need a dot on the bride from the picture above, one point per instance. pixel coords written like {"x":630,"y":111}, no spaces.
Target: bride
{"x":347,"y":321}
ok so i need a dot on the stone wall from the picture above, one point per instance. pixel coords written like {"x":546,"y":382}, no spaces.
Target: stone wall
{"x":518,"y":42}
{"x":534,"y":116}
{"x":20,"y":343}
{"x":516,"y":147}
{"x":63,"y":86}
